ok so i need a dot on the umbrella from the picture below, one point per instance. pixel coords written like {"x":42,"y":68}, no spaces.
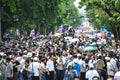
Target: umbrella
{"x":74,"y":40}
{"x":87,"y":27}
{"x":94,"y":44}
{"x":89,"y":48}
{"x":68,"y":38}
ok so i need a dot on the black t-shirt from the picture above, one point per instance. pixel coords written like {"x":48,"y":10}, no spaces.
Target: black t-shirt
{"x":14,"y":67}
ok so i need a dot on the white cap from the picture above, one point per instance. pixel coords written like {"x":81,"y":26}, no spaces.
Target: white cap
{"x":78,"y":54}
{"x":29,"y":54}
{"x":35,"y":59}
{"x":107,"y":58}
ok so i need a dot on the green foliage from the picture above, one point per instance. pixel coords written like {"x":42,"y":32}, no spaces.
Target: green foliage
{"x":29,"y":14}
{"x":104,"y":13}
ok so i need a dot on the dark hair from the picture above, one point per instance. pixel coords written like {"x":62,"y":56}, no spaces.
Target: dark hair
{"x":8,"y":59}
{"x":71,"y":66}
{"x":83,"y":57}
{"x":110,"y":77}
{"x":28,"y":61}
{"x":95,"y":77}
{"x":99,"y":57}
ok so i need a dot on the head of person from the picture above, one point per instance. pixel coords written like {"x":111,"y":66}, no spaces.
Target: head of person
{"x":93,"y":57}
{"x":35,"y":59}
{"x":27,"y":61}
{"x":95,"y":78}
{"x":70,"y":66}
{"x":107,"y":59}
{"x":70,"y":57}
{"x":51,"y":57}
{"x":43,"y":60}
{"x":8,"y":60}
{"x":99,"y":57}
{"x":110,"y":78}
{"x":79,"y":56}
{"x":83,"y":57}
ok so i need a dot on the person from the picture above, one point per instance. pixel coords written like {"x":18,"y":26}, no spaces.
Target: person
{"x":15,"y":69}
{"x":99,"y":66}
{"x":113,"y":61}
{"x":36,"y":68}
{"x":95,"y":78}
{"x":76,"y":65}
{"x":24,"y":64}
{"x":83,"y":68}
{"x":92,"y":61}
{"x":50,"y":68}
{"x":43,"y":62}
{"x":9,"y":69}
{"x":70,"y":73}
{"x":19,"y":58}
{"x":110,"y":78}
{"x":91,"y":73}
{"x":25,"y":70}
{"x":117,"y":76}
{"x":59,"y":68}
{"x":2,"y":68}
{"x":110,"y":68}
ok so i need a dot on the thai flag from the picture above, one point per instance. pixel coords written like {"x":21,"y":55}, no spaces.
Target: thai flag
{"x":32,"y":33}
{"x":81,"y":27}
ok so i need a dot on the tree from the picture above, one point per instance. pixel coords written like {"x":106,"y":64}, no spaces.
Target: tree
{"x":104,"y":13}
{"x":7,"y":9}
{"x":42,"y":15}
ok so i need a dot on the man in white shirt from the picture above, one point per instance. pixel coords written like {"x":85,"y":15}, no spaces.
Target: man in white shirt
{"x":117,"y":76}
{"x":36,"y":68}
{"x":113,"y":62}
{"x":83,"y":68}
{"x":50,"y":68}
{"x":91,"y":73}
{"x":110,"y":68}
{"x":19,"y":58}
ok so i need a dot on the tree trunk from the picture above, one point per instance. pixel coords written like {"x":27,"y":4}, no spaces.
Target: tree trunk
{"x":38,"y":27}
{"x":0,"y":30}
{"x":117,"y":33}
{"x":45,"y":30}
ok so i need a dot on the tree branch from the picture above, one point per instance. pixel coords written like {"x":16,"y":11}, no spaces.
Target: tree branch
{"x":104,"y":8}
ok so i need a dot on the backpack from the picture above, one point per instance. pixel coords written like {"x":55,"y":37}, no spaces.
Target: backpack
{"x":77,"y":67}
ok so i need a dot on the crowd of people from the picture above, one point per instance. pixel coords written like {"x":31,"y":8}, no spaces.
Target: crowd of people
{"x":54,"y":58}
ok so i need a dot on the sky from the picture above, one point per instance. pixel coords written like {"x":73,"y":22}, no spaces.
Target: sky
{"x":81,"y":10}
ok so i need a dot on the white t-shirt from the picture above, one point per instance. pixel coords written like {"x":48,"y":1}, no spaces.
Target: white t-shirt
{"x":114,"y":63}
{"x":83,"y":65}
{"x":104,"y":41}
{"x":91,"y":73}
{"x":50,"y":65}
{"x":92,"y":62}
{"x":117,"y":76}
{"x":109,"y":67}
{"x":35,"y":66}
{"x":42,"y":65}
{"x":8,"y":69}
